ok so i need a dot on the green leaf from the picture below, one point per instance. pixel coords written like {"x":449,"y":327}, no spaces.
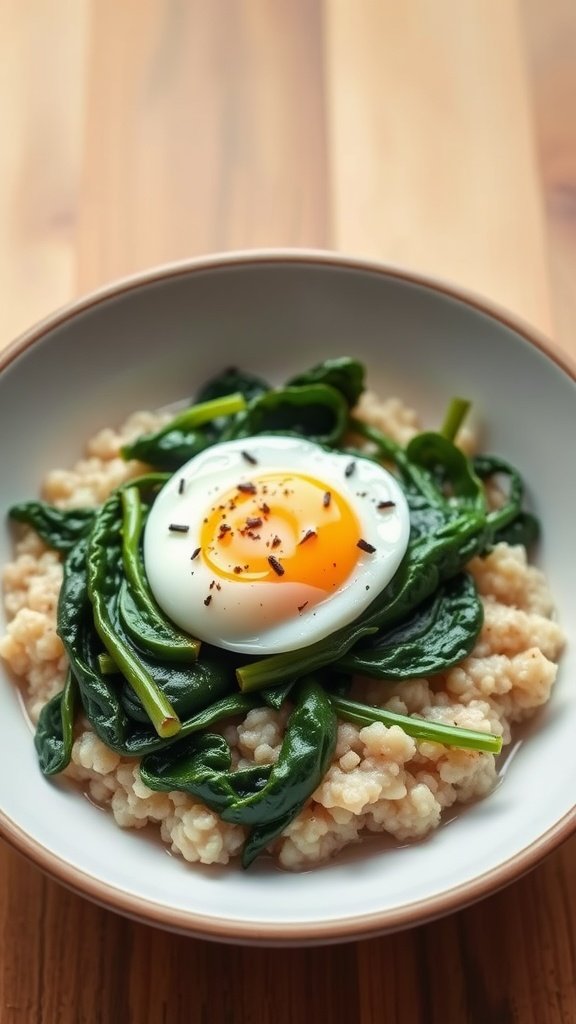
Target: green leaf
{"x":344,"y":374}
{"x":58,"y":528}
{"x":437,"y":635}
{"x":55,"y":730}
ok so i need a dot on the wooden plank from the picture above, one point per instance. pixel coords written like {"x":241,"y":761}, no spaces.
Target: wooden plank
{"x":42,"y":55}
{"x":204,"y":132}
{"x":551,"y":53}
{"x":431,"y":146}
{"x":154,"y":129}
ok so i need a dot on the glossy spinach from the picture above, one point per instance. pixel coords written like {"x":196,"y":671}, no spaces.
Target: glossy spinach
{"x":263,"y":798}
{"x":59,"y":528}
{"x":55,"y":729}
{"x":344,"y":374}
{"x":439,"y":633}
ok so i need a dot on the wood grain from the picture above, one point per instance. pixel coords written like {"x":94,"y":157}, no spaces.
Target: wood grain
{"x":42,"y":61}
{"x":433,"y":156}
{"x":213,"y":132}
{"x":551,"y":56}
{"x":438,"y":135}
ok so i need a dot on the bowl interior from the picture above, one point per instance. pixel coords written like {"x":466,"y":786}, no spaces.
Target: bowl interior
{"x":152,"y":344}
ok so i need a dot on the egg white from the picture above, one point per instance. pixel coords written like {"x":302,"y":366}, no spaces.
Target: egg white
{"x":259,"y":618}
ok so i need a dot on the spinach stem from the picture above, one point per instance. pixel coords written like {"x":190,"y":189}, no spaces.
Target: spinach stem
{"x":157,"y":706}
{"x":390,"y":449}
{"x":100,"y":586}
{"x":419,"y":728}
{"x":107,"y":665}
{"x":132,"y":522}
{"x":455,"y":415}
{"x":280,"y":669}
{"x":204,"y":412}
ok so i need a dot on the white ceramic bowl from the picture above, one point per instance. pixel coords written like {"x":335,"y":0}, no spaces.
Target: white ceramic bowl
{"x":150,"y":340}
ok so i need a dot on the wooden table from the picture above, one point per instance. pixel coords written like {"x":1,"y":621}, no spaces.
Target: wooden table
{"x":439,"y":134}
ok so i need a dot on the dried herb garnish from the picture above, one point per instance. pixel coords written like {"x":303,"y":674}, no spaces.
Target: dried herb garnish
{"x":275,"y":565}
{"x":195,"y":554}
{"x":248,"y":488}
{"x":249,"y":458}
{"x":350,"y":469}
{"x":178,"y":528}
{"x":326,"y":499}
{"x":307,"y":536}
{"x":253,"y":522}
{"x":365,"y":546}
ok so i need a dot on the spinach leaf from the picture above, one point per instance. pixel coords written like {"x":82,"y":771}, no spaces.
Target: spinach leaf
{"x":139,"y":614}
{"x":267,"y":798}
{"x":187,"y":434}
{"x":232,"y":381}
{"x":75,"y":627}
{"x":55,"y":729}
{"x":276,"y":695}
{"x":99,"y":693}
{"x":59,"y":528}
{"x":487,"y":466}
{"x":438,"y":634}
{"x":103,"y":570}
{"x":201,"y":766}
{"x":429,"y":560}
{"x":344,"y":374}
{"x":524,"y":529}
{"x":306,"y":752}
{"x":188,"y":688}
{"x":317,"y":412}
{"x":450,"y":468}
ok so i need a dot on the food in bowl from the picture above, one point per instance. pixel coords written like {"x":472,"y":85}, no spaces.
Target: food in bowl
{"x":287,"y":618}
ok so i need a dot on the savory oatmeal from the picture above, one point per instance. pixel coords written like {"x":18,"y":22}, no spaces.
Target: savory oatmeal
{"x":380,"y":780}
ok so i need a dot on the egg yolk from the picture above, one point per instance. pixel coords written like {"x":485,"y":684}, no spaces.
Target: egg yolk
{"x":282,"y":527}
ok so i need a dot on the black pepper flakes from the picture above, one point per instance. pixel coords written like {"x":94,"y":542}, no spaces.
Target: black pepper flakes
{"x":247,"y":488}
{"x":194,"y":554}
{"x":276,"y":541}
{"x":253,"y":522}
{"x":350,"y":469}
{"x":181,"y":485}
{"x":307,"y":536}
{"x":207,"y":600}
{"x":178,"y":528}
{"x":265,"y":509}
{"x":301,"y":607}
{"x":326,"y":499}
{"x":249,"y":458}
{"x":385,"y":504}
{"x":365,"y":546}
{"x":276,"y":565}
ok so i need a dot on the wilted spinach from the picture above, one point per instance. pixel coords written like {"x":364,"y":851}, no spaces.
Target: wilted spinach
{"x":58,"y":528}
{"x":55,"y":729}
{"x":155,"y":694}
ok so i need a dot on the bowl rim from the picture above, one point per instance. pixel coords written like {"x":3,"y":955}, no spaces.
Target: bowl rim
{"x":260,"y":933}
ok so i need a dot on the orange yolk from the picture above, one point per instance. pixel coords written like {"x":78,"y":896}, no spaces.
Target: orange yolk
{"x":282,"y":527}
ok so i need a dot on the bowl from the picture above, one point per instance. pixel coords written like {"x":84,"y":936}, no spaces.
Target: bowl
{"x":148,"y":341}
